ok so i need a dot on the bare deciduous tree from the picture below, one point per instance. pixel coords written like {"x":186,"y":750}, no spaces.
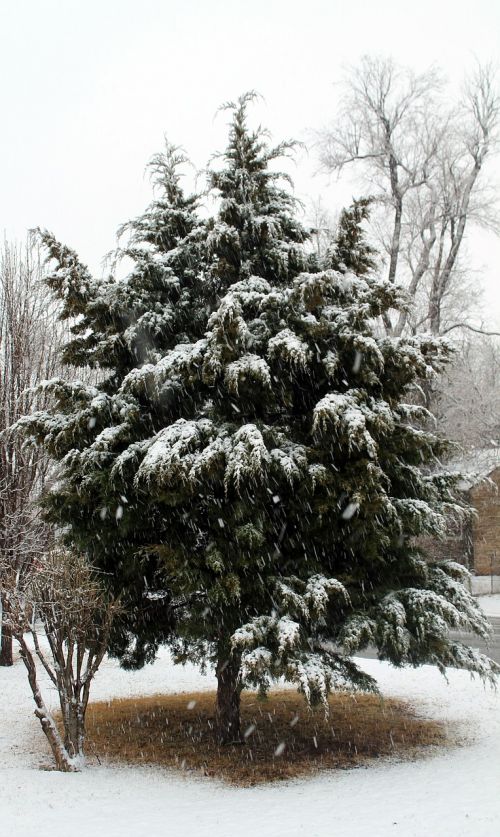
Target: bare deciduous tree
{"x":468,"y":401}
{"x":422,"y":162}
{"x":63,"y":594}
{"x":322,"y":224}
{"x":29,"y":336}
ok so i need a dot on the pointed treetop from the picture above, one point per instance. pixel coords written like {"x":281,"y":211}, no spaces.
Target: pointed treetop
{"x":249,"y":151}
{"x":350,"y":249}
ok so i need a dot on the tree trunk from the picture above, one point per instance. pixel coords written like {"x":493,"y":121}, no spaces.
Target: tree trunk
{"x":6,"y":655}
{"x":74,"y":730}
{"x":61,"y":756}
{"x":72,"y":734}
{"x":227,"y":715}
{"x":396,"y":237}
{"x":396,"y":240}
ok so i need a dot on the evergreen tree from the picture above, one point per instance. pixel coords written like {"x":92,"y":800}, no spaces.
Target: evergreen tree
{"x":118,"y":325}
{"x":266,"y":456}
{"x":349,"y":249}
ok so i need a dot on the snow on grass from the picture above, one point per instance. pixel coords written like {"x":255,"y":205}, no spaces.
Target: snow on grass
{"x":453,"y":793}
{"x":490,"y":604}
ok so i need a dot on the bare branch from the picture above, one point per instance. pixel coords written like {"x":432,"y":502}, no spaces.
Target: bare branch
{"x":422,"y":159}
{"x":65,"y":593}
{"x":471,"y":328}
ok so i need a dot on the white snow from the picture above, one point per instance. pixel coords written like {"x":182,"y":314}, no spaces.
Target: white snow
{"x":247,"y":367}
{"x":490,"y":604}
{"x":344,"y":414}
{"x":448,"y":793}
{"x":288,"y":347}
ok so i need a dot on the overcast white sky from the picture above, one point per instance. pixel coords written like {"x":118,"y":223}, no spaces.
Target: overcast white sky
{"x":89,"y":88}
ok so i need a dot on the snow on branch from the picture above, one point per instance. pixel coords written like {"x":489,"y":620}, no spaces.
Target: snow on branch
{"x":419,"y":517}
{"x":289,"y":461}
{"x":179,"y":363}
{"x":289,"y":348}
{"x":247,"y":368}
{"x":282,"y":643}
{"x":171,"y":453}
{"x":247,"y":457}
{"x":347,"y":418}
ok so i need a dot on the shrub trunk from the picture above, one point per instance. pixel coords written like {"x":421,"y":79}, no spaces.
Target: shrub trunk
{"x":6,"y":653}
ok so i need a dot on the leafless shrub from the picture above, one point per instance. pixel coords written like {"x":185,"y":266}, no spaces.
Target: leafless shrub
{"x":63,"y":594}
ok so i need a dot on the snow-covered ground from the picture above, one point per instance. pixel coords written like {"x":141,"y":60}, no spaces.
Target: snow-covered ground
{"x":490,"y":604}
{"x":448,"y":793}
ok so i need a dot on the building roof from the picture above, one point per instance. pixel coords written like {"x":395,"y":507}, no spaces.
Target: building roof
{"x":475,"y":466}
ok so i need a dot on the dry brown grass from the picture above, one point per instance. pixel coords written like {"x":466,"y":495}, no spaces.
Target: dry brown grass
{"x":283,"y":738}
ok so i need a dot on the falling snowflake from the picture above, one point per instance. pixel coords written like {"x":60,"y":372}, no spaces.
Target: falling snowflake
{"x":358,"y":357}
{"x":249,"y":731}
{"x":350,"y":510}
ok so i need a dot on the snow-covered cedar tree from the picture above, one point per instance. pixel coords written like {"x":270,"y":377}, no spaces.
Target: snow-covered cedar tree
{"x":261,"y":476}
{"x":348,"y":250}
{"x":118,"y":326}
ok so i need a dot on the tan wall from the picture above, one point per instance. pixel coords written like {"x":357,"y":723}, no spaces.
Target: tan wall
{"x":456,"y":547}
{"x":485,"y":497}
